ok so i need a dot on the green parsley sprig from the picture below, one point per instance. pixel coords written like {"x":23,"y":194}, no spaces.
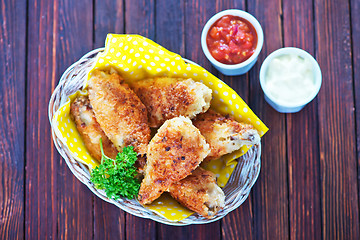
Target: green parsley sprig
{"x":117,"y":176}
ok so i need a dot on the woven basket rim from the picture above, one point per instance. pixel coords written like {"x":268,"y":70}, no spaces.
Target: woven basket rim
{"x":246,"y":171}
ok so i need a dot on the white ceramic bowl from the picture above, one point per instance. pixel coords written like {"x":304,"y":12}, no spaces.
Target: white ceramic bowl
{"x":240,"y":68}
{"x":278,"y":105}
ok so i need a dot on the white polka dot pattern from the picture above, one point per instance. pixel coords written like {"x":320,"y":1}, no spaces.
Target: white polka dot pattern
{"x":67,"y":129}
{"x":168,"y":207}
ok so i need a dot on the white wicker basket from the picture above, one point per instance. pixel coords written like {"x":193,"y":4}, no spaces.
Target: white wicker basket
{"x":236,"y":190}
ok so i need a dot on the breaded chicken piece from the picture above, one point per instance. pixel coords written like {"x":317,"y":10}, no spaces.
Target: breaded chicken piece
{"x":82,"y":114}
{"x":119,"y":111}
{"x":224,"y":134}
{"x":166,"y":98}
{"x":199,"y":192}
{"x":174,"y":152}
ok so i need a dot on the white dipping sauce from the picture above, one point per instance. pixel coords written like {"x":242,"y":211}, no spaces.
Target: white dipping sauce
{"x":290,"y":78}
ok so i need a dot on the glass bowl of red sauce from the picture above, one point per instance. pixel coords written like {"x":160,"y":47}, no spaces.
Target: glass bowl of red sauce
{"x":231,"y":41}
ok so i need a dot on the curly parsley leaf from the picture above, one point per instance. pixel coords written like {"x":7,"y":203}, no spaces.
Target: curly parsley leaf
{"x":117,"y":176}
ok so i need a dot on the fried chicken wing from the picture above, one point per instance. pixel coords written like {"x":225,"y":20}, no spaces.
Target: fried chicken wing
{"x":224,"y":134}
{"x":174,"y":152}
{"x":166,"y":98}
{"x":119,"y":111}
{"x":199,"y":192}
{"x":90,"y":130}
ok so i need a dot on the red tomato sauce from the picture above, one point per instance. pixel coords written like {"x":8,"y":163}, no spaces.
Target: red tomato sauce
{"x":231,"y":40}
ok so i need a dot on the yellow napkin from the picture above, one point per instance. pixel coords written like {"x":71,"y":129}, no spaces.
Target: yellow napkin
{"x":135,"y":58}
{"x":65,"y":129}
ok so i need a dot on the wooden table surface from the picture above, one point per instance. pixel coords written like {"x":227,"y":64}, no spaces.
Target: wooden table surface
{"x":308,"y":187}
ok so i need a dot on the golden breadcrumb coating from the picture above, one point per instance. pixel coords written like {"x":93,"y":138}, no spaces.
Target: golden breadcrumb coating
{"x":166,"y":98}
{"x":90,"y":130}
{"x":224,"y":134}
{"x":119,"y":111}
{"x":174,"y":152}
{"x":199,"y":192}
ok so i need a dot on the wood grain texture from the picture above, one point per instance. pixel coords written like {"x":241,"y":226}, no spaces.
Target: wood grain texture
{"x":57,"y":204}
{"x":170,"y":24}
{"x":338,"y":165}
{"x":109,"y":17}
{"x":109,"y":220}
{"x":205,"y":231}
{"x":239,"y":223}
{"x":140,"y":228}
{"x":41,"y":174}
{"x":171,"y":33}
{"x":12,"y":118}
{"x":140,"y":19}
{"x":197,"y":12}
{"x":170,"y":16}
{"x":270,"y":193}
{"x":302,"y":134}
{"x":355,"y":32}
{"x":308,"y":187}
{"x":75,"y":200}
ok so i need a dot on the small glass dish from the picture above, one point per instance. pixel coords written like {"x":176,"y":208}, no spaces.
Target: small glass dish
{"x":240,"y":68}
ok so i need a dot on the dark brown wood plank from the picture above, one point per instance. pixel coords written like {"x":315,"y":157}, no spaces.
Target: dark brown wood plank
{"x":75,"y":203}
{"x":12,"y":118}
{"x":109,"y":220}
{"x":355,"y":30}
{"x":196,"y":15}
{"x":302,"y":134}
{"x":140,"y":19}
{"x":338,"y":164}
{"x":140,"y":228}
{"x":58,"y":205}
{"x":41,"y":176}
{"x":171,"y":32}
{"x":204,"y":231}
{"x":170,"y":25}
{"x":270,"y":193}
{"x":197,"y":12}
{"x":109,"y":18}
{"x":239,"y":223}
